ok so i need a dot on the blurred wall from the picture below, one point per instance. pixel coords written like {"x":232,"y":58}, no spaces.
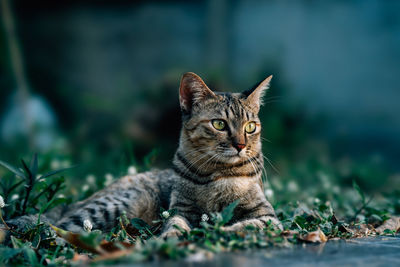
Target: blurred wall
{"x":105,"y":65}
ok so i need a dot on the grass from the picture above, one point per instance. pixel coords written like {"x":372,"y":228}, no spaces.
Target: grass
{"x":319,"y":209}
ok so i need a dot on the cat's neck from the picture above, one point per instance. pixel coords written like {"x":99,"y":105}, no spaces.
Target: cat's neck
{"x":200,"y":168}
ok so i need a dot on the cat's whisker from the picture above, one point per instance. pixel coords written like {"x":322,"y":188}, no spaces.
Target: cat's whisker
{"x":272,"y":165}
{"x":265,"y":139}
{"x":193,"y":163}
{"x":272,"y":101}
{"x":273,"y":97}
{"x":207,"y":161}
{"x":252,"y":165}
{"x":192,"y":152}
{"x":264,"y":171}
{"x":260,"y":163}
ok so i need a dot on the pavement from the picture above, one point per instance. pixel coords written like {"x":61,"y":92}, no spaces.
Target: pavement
{"x":371,"y":251}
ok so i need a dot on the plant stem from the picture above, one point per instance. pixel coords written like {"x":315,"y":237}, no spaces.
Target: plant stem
{"x":6,"y":225}
{"x":29,"y":188}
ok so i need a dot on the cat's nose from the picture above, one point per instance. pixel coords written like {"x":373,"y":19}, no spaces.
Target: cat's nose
{"x":239,"y":147}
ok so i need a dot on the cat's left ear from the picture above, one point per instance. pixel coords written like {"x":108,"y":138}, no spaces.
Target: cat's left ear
{"x":254,"y":97}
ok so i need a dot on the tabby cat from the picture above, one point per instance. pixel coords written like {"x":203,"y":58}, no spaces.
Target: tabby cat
{"x":218,"y":161}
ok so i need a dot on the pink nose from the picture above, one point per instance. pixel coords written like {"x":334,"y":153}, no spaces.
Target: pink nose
{"x":239,"y":147}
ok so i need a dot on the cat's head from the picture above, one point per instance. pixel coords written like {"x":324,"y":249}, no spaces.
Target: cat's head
{"x":224,"y":126}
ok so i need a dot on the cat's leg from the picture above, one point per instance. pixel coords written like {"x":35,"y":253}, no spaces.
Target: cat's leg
{"x":185,"y":212}
{"x":137,"y":196}
{"x":258,"y":214}
{"x":171,"y":231}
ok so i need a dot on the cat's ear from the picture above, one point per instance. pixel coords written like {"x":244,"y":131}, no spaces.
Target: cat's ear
{"x":192,"y":90}
{"x":254,"y":97}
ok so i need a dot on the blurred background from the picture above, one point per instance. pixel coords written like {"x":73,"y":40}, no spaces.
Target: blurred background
{"x":95,"y":83}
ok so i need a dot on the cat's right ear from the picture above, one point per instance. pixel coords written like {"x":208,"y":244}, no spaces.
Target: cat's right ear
{"x":192,"y":90}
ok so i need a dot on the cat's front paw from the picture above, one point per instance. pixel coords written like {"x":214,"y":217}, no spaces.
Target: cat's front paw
{"x":228,"y":229}
{"x":171,"y":233}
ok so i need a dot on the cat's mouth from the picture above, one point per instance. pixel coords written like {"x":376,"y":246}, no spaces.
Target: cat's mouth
{"x":232,"y":156}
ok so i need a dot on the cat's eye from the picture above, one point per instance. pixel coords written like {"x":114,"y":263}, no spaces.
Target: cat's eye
{"x":218,"y":124}
{"x":250,"y":127}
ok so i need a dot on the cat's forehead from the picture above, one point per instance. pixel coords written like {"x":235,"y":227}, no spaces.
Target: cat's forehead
{"x":226,"y":98}
{"x":228,"y":95}
{"x":227,"y":105}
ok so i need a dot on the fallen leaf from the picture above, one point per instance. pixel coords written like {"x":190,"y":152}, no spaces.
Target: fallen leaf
{"x":104,"y":248}
{"x":83,"y":258}
{"x":74,"y":239}
{"x":360,"y":230}
{"x":334,"y":220}
{"x":314,"y":237}
{"x":392,"y":224}
{"x":289,"y":233}
{"x":113,"y":255}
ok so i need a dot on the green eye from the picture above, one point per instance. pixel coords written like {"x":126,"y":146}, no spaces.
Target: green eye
{"x":250,"y":127}
{"x":218,"y":124}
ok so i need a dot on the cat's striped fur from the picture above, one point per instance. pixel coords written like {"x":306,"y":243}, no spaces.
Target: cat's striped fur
{"x":211,"y":169}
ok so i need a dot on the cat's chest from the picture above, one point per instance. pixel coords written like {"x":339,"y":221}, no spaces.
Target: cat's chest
{"x":216,"y":196}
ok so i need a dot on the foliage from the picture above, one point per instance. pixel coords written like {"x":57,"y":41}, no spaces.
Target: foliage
{"x":313,"y":215}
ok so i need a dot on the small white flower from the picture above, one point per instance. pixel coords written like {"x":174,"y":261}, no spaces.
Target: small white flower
{"x":132,"y":170}
{"x":317,"y":200}
{"x":65,"y":164}
{"x":91,"y":179}
{"x":165,"y":214}
{"x":109,"y":178}
{"x":269,"y":193}
{"x":292,"y":186}
{"x":204,"y":218}
{"x":55,"y":164}
{"x":325,"y":180}
{"x":336,"y":189}
{"x":14,"y":197}
{"x":87,"y":225}
{"x":2,"y":203}
{"x":85,"y":187}
{"x":61,"y":196}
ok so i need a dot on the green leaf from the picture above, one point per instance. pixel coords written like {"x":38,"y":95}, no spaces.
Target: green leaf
{"x":180,"y":229}
{"x":149,"y":158}
{"x":27,"y":170}
{"x":91,"y":239}
{"x":12,"y":169}
{"x":51,"y":173}
{"x":49,"y":205}
{"x":301,"y":221}
{"x":34,"y":165}
{"x":227,"y":213}
{"x":17,"y":243}
{"x":7,"y":253}
{"x":359,"y":191}
{"x":198,"y":232}
{"x":9,"y":190}
{"x":36,"y":240}
{"x":30,"y":255}
{"x":139,"y":224}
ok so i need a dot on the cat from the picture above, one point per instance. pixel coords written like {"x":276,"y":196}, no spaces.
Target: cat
{"x":219,"y":160}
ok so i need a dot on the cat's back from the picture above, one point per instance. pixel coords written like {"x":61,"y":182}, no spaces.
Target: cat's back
{"x":153,"y":178}
{"x":155,"y":183}
{"x":159,"y":181}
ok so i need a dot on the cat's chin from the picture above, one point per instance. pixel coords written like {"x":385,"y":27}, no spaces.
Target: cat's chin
{"x":232,"y":157}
